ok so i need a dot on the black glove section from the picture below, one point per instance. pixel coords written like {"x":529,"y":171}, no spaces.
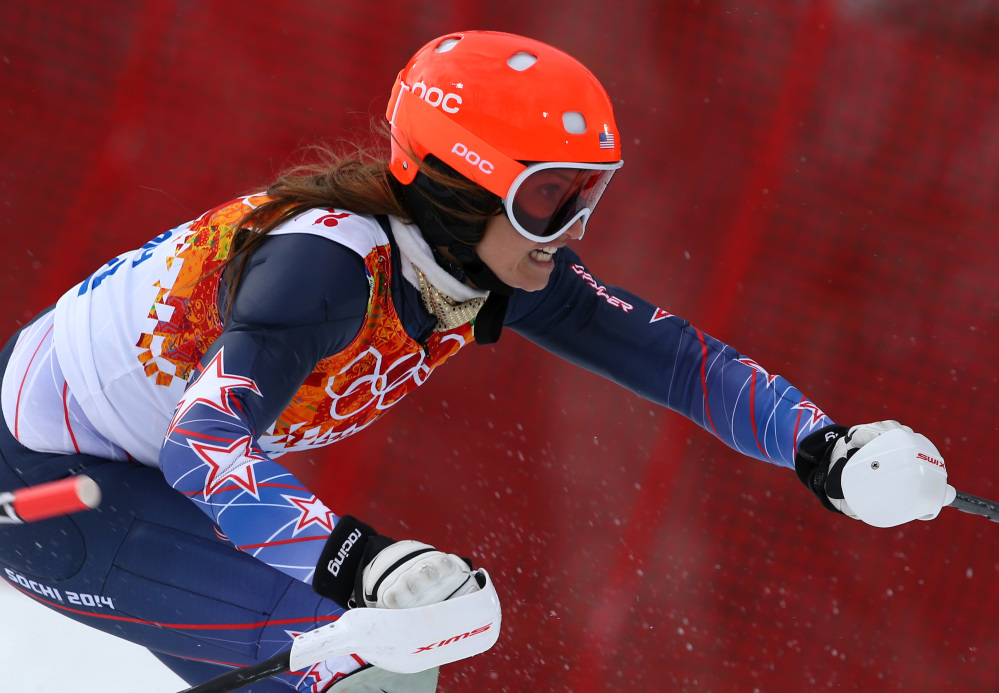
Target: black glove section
{"x":342,"y":560}
{"x":811,"y":464}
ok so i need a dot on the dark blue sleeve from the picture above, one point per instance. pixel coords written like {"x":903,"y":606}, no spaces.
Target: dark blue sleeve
{"x":301,"y":299}
{"x":614,"y":333}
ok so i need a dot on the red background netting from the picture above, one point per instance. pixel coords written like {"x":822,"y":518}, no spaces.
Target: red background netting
{"x":812,"y":182}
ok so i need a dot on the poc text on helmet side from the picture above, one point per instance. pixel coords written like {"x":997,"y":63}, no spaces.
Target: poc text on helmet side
{"x":490,"y":104}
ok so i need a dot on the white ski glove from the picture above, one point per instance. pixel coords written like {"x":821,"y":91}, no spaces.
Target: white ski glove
{"x":890,"y":474}
{"x":410,"y":573}
{"x":360,"y":567}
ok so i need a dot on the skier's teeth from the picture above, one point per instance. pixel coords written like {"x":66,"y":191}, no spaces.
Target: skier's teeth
{"x":543,"y":254}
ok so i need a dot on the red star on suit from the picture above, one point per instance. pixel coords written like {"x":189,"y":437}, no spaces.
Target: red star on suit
{"x":660,"y":314}
{"x":313,"y":511}
{"x":816,"y":414}
{"x":321,"y":679}
{"x":213,"y":388}
{"x":233,"y":463}
{"x":760,"y":369}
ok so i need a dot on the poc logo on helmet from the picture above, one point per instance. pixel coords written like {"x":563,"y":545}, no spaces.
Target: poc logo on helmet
{"x":473,"y":158}
{"x":436,"y":97}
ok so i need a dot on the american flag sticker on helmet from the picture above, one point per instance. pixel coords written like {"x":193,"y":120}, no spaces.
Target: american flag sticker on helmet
{"x":606,"y":140}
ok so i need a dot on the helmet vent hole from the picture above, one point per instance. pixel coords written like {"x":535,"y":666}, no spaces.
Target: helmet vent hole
{"x":446,"y":45}
{"x":574,"y":122}
{"x":522,"y":60}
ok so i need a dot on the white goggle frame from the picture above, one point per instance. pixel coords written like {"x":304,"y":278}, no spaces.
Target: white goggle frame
{"x":589,"y":202}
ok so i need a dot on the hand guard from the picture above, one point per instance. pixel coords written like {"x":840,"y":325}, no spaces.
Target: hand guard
{"x":358,"y":566}
{"x":900,"y":478}
{"x":845,"y":448}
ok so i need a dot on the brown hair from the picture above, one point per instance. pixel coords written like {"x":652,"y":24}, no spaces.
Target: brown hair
{"x":355,"y":178}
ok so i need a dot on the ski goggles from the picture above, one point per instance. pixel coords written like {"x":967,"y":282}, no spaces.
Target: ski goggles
{"x":547,"y":198}
{"x":542,"y":200}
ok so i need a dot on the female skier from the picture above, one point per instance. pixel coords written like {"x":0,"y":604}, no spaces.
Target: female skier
{"x":178,"y":373}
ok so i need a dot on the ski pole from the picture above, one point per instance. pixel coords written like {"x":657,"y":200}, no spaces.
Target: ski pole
{"x":244,"y":676}
{"x":967,"y":503}
{"x":50,"y":499}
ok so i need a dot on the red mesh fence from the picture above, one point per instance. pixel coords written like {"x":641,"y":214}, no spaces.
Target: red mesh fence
{"x":812,"y":182}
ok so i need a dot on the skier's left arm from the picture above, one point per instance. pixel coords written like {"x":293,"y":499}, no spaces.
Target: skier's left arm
{"x":663,"y":358}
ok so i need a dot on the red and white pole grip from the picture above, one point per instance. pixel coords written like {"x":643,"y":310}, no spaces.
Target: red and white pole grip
{"x":49,"y":500}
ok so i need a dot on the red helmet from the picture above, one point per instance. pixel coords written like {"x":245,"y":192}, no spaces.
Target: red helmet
{"x":488,"y":104}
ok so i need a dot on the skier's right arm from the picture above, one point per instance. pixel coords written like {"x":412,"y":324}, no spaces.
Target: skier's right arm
{"x":286,"y":315}
{"x":301,"y":299}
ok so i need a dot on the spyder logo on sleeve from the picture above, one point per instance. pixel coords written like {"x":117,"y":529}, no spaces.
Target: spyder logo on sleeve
{"x":601,"y":290}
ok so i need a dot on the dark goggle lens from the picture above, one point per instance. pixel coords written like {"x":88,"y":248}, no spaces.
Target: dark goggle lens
{"x":548,"y":200}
